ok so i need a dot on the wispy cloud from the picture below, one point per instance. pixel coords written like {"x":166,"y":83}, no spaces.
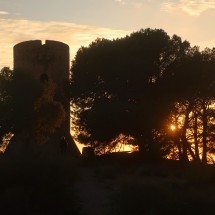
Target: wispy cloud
{"x":15,"y":31}
{"x":134,"y":3}
{"x":121,"y":1}
{"x":3,"y":12}
{"x":191,"y":7}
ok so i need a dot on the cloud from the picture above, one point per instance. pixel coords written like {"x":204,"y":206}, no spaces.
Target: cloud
{"x":4,"y":13}
{"x":123,"y":2}
{"x":15,"y":31}
{"x":134,"y":3}
{"x":191,"y":7}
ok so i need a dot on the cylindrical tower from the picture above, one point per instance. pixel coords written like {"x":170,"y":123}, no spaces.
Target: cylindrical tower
{"x":49,"y":61}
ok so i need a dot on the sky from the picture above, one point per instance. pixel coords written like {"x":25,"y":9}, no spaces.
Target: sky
{"x":79,"y":22}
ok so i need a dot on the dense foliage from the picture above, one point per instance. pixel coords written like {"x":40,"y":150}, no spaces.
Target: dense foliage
{"x":138,"y":86}
{"x":28,"y":109}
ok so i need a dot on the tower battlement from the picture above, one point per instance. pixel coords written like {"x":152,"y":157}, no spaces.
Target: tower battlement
{"x":51,"y":58}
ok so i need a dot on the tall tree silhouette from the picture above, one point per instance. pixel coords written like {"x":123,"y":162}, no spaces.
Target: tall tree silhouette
{"x":116,"y":87}
{"x":191,"y":87}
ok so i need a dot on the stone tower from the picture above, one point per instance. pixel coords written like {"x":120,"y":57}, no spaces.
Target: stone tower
{"x":49,"y":61}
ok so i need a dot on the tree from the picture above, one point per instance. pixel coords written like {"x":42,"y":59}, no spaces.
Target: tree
{"x":28,"y":109}
{"x":48,"y":114}
{"x":117,"y":89}
{"x":6,"y":122}
{"x":193,"y":102}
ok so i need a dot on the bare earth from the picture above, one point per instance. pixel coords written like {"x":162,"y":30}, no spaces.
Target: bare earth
{"x":92,"y":194}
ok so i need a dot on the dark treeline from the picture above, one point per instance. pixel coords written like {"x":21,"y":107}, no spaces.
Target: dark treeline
{"x":135,"y":89}
{"x":148,"y":89}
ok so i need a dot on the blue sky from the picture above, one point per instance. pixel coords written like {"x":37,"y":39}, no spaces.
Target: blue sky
{"x":78,"y":22}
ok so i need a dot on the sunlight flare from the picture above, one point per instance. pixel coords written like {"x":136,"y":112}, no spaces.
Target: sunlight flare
{"x":173,"y":127}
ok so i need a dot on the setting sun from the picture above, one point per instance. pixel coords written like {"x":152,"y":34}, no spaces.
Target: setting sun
{"x":172,"y":127}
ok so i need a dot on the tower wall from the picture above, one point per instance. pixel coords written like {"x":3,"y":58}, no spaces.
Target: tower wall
{"x":52,"y":60}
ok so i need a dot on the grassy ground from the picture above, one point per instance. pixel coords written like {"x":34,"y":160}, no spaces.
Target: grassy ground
{"x":159,"y":188}
{"x":39,"y":187}
{"x":105,"y":187}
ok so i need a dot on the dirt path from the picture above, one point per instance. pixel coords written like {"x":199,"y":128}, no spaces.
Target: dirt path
{"x":93,"y":196}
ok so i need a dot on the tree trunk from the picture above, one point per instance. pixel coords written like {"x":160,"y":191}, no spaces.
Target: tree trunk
{"x":177,"y":142}
{"x":184,"y":148}
{"x":141,"y":145}
{"x":183,"y":136}
{"x":204,"y":133}
{"x":147,"y":149}
{"x":195,"y":128}
{"x":190,"y":151}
